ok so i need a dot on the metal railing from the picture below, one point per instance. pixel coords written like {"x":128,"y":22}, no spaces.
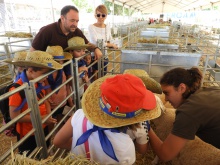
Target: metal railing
{"x":114,"y":67}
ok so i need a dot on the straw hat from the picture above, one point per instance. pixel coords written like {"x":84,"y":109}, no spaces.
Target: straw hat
{"x":149,"y":82}
{"x":39,"y":59}
{"x":58,"y":54}
{"x":19,"y":56}
{"x":118,"y":94}
{"x":75,"y":43}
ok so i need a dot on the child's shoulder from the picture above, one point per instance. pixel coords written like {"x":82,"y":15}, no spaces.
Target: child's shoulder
{"x":81,"y":63}
{"x":19,"y":81}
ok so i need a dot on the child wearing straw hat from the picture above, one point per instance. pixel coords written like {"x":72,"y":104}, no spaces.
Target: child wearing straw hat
{"x":17,"y":69}
{"x":114,"y":108}
{"x":77,"y":46}
{"x":93,"y":69}
{"x":36,"y":63}
{"x":56,"y":79}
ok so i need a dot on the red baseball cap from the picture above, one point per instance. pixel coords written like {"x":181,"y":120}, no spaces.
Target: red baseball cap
{"x":124,"y":94}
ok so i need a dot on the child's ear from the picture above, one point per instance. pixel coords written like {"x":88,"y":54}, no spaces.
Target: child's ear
{"x":30,"y":70}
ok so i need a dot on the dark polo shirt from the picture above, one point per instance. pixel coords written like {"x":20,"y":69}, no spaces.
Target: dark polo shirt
{"x":52,"y":35}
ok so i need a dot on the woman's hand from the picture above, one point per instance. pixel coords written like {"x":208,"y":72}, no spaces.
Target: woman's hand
{"x":114,"y":46}
{"x":111,"y":45}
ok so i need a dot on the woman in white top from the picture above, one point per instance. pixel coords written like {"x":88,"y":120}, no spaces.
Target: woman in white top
{"x":100,"y":30}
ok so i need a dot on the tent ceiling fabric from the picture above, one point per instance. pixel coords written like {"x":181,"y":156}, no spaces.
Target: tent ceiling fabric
{"x":164,"y":6}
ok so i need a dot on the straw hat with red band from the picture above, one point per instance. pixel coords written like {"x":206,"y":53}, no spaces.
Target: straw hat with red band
{"x":115,"y":101}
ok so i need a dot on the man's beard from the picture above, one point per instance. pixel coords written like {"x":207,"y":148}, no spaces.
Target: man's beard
{"x":70,"y":29}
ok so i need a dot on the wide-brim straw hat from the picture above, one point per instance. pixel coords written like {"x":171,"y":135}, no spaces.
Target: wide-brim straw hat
{"x":149,"y":82}
{"x":93,"y":112}
{"x":39,"y":59}
{"x":58,"y":53}
{"x":76,"y":43}
{"x":18,"y":56}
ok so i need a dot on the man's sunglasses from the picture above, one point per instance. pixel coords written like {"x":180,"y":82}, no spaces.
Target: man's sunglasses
{"x":99,"y":15}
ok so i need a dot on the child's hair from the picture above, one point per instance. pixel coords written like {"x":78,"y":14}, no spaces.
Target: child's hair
{"x":132,"y":127}
{"x":16,"y":69}
{"x":87,"y":56}
{"x":192,"y":78}
{"x":35,"y":68}
{"x":87,"y":60}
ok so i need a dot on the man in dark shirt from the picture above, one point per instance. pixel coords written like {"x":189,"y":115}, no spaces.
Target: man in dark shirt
{"x":58,"y":33}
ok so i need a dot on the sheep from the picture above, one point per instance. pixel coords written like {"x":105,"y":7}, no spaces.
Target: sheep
{"x":195,"y":151}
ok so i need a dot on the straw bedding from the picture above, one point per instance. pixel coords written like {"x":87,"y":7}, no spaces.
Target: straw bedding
{"x":155,"y":40}
{"x":69,"y":160}
{"x":18,"y":34}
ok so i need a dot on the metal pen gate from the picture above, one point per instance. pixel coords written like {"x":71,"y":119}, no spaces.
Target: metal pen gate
{"x":119,"y":60}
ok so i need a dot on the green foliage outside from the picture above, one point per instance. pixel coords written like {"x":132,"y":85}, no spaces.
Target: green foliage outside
{"x":118,"y":10}
{"x":82,"y":4}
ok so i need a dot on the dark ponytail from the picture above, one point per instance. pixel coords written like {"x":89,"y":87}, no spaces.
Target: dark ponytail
{"x":196,"y":79}
{"x":190,"y":77}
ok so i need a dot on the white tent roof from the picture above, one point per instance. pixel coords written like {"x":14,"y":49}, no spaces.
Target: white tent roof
{"x":165,"y":6}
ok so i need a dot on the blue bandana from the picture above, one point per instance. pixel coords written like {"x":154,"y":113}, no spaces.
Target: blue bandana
{"x":24,"y":79}
{"x":55,"y":83}
{"x":105,"y":143}
{"x":17,"y":77}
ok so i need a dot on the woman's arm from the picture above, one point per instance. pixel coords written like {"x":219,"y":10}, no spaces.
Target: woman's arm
{"x":63,"y":138}
{"x":168,"y":149}
{"x":111,"y":45}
